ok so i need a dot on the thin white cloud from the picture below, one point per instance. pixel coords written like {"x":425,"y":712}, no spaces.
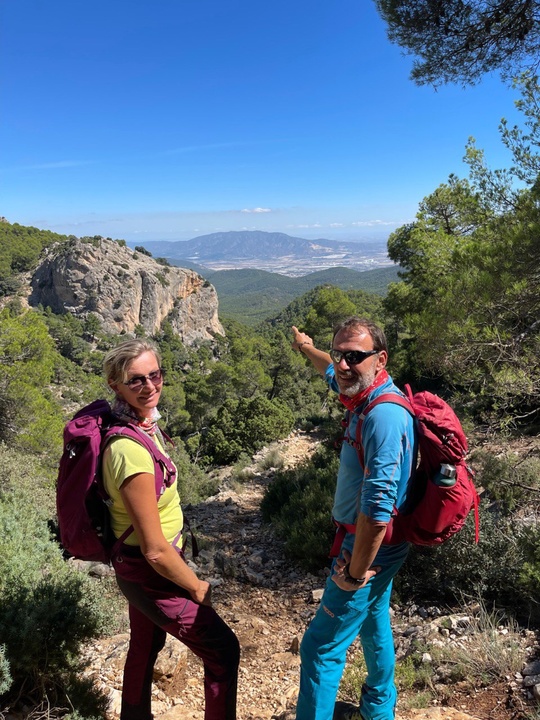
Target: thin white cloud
{"x":305,"y":226}
{"x":374,"y":223}
{"x":256,"y":210}
{"x":337,"y":225}
{"x":58,"y":165}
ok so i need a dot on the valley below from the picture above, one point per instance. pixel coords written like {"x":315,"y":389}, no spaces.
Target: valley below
{"x":297,"y":267}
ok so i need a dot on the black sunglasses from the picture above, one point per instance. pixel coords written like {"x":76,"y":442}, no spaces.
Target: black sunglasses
{"x":352,"y":357}
{"x":137,"y":382}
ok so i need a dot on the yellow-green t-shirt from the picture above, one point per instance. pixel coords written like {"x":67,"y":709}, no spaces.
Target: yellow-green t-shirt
{"x":122,"y":458}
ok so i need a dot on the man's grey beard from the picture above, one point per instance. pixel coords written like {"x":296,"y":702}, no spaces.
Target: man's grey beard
{"x":362,"y":383}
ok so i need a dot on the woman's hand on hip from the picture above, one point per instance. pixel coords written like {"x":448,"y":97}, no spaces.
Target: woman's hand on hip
{"x":202,"y":594}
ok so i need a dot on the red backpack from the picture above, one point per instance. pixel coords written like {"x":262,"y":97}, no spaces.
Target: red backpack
{"x":81,"y":500}
{"x":442,"y":493}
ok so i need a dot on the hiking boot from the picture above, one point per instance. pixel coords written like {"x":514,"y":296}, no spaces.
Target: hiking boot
{"x":346,"y":711}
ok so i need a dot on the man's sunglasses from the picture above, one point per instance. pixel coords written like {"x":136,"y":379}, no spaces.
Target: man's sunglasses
{"x":351,"y":357}
{"x":139,"y":381}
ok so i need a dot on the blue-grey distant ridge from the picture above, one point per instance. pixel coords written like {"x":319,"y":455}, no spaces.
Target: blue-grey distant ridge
{"x":248,"y":244}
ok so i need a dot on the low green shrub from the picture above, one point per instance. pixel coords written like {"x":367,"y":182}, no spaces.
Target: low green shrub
{"x":509,"y":480}
{"x":411,"y":674}
{"x":142,"y":250}
{"x":9,"y":286}
{"x":245,"y":426}
{"x":48,"y":609}
{"x":529,"y":573}
{"x":418,"y":700}
{"x":299,"y":504}
{"x":460,"y":567}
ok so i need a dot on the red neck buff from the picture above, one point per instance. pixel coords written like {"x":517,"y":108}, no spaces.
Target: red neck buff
{"x":356,"y":400}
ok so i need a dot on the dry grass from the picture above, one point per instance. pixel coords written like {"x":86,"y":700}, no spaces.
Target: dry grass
{"x":490,"y":648}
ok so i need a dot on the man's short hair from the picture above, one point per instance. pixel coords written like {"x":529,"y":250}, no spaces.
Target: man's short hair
{"x":357,"y":323}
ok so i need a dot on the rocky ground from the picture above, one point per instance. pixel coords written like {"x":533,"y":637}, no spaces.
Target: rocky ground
{"x":269,"y":603}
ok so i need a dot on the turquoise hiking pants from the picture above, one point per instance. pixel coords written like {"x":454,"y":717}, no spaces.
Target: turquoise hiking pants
{"x":342,"y":616}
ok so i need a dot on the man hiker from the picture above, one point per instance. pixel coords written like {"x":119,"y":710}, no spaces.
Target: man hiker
{"x":356,"y":600}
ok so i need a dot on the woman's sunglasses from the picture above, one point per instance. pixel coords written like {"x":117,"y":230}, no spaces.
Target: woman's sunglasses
{"x":139,"y":381}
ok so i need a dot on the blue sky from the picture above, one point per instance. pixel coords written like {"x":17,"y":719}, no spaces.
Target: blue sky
{"x":166,"y":120}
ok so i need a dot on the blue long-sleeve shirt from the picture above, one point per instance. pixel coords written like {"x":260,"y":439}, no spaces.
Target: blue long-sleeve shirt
{"x":389,"y":443}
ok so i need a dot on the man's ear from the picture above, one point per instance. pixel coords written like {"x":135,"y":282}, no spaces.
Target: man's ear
{"x":382,"y":359}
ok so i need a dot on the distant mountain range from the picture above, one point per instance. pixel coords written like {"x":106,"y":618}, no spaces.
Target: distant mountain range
{"x":275,"y":252}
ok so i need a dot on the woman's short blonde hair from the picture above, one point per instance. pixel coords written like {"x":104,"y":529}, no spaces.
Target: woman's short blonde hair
{"x":117,"y":360}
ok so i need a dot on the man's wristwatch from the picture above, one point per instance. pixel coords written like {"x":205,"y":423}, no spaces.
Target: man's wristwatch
{"x":350,"y":579}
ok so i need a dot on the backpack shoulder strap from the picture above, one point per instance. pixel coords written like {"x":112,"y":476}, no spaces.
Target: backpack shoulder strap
{"x":390,"y":397}
{"x":162,"y":463}
{"x":142,"y":438}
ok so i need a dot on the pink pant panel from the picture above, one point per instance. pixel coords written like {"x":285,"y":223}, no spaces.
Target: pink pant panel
{"x":156,"y":607}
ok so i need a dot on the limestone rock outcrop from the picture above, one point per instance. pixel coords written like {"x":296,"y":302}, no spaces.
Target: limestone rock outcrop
{"x":125,"y":289}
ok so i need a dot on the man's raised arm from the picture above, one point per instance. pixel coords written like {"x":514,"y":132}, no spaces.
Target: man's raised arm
{"x":304,"y":344}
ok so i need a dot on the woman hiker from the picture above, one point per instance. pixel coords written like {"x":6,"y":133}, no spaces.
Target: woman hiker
{"x":164,"y":594}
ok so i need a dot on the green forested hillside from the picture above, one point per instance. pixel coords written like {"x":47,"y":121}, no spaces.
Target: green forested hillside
{"x":20,"y":248}
{"x":255,"y":295}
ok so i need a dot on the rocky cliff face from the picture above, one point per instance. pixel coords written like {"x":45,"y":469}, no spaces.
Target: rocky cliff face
{"x":125,"y":289}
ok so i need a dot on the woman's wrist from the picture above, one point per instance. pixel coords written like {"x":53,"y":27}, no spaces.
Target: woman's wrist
{"x":202,"y":593}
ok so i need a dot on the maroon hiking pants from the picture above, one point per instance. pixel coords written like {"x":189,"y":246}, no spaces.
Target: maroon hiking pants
{"x":157,"y":606}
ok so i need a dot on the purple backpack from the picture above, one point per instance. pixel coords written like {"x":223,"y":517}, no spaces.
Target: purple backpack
{"x":81,"y":500}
